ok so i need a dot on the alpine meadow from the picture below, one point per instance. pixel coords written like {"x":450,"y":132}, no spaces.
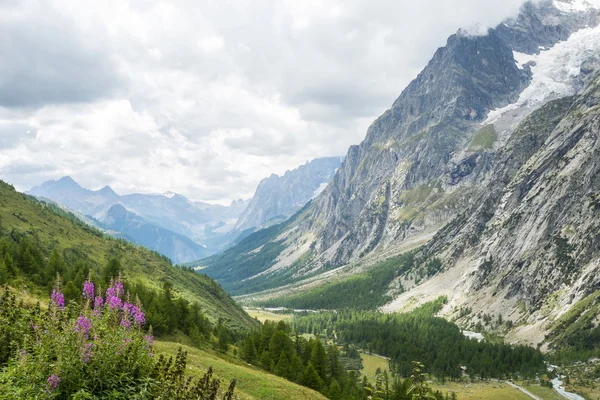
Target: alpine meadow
{"x":325,"y":199}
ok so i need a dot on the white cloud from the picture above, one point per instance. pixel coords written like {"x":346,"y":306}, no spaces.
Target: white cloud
{"x":204,"y":98}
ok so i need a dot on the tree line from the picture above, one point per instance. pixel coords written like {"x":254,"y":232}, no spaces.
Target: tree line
{"x":419,"y":335}
{"x":318,"y":365}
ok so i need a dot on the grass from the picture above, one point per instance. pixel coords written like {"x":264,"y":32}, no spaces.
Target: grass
{"x":252,"y":383}
{"x":490,"y":390}
{"x":70,"y":236}
{"x":481,"y":391}
{"x":370,"y":365}
{"x":484,"y":138}
{"x":263,"y":315}
{"x":587,"y":392}
{"x":543,"y":392}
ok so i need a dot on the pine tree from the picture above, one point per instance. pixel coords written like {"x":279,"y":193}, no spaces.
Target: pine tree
{"x":265,"y":360}
{"x":3,"y":273}
{"x":55,"y":266}
{"x":224,"y":339}
{"x":280,"y":342}
{"x":311,"y":378}
{"x":335,"y":391}
{"x":318,"y":359}
{"x":282,"y":368}
{"x":249,"y":350}
{"x":297,"y":369}
{"x":111,"y":270}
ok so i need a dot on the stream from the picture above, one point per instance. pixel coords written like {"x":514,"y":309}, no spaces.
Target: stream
{"x":557,"y":384}
{"x":559,"y":387}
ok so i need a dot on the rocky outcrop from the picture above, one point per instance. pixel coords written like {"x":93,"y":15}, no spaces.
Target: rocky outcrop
{"x":278,"y":197}
{"x":432,"y":155}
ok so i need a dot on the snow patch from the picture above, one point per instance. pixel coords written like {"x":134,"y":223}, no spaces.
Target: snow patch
{"x":521,"y":59}
{"x":473,"y":335}
{"x":169,"y":194}
{"x":567,"y":6}
{"x":554,"y":72}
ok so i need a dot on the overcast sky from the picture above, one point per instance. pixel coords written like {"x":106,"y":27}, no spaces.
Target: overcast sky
{"x":205,"y":98}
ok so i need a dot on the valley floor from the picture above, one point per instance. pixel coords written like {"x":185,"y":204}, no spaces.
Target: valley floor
{"x":489,"y":390}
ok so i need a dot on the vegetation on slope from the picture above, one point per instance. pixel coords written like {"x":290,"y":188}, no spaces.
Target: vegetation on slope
{"x":319,"y":365}
{"x":37,"y":240}
{"x":251,"y":256}
{"x":93,"y":348}
{"x":252,"y":383}
{"x":364,"y":291}
{"x":420,"y":335}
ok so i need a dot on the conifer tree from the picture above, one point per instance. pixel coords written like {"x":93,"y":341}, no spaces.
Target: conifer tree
{"x":334,"y":392}
{"x":3,"y":273}
{"x":249,"y":350}
{"x":318,"y":359}
{"x":265,"y":360}
{"x":282,"y":368}
{"x":311,"y":378}
{"x":224,"y":339}
{"x":297,"y":369}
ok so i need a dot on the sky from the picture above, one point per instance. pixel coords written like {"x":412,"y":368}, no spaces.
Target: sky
{"x":206,"y":98}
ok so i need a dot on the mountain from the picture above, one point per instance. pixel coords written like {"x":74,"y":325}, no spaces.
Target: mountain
{"x":178,"y":248}
{"x":278,"y":197}
{"x":181,"y":222}
{"x":48,"y":227}
{"x":487,"y":159}
{"x":203,"y":223}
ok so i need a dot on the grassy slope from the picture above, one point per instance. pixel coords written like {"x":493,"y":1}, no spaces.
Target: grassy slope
{"x":23,"y":213}
{"x":252,"y":383}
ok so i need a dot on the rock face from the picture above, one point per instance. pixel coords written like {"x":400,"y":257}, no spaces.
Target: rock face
{"x":130,"y":226}
{"x":278,"y":197}
{"x":493,"y":146}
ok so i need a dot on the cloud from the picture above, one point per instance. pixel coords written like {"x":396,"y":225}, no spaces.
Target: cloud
{"x":205,"y":98}
{"x":46,"y":61}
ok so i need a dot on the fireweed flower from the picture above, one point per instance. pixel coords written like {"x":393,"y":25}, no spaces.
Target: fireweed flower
{"x":86,"y":352}
{"x":114,"y":302}
{"x":83,"y":325}
{"x":149,"y":339}
{"x":129,"y":308}
{"x":125,"y":323}
{"x":88,"y":290}
{"x":139,"y":318}
{"x":119,"y":288}
{"x":52,"y":382}
{"x":58,"y":299}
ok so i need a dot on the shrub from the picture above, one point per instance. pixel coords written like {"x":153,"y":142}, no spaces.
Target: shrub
{"x":89,"y":350}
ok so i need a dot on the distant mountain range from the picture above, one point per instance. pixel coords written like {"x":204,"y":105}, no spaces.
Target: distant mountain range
{"x":186,"y":230}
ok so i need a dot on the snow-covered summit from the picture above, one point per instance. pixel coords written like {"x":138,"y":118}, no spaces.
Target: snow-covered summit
{"x":554,"y":71}
{"x":576,"y":5}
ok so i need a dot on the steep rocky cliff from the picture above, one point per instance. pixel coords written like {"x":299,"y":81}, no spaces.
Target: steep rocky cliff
{"x":489,"y":159}
{"x":278,"y":197}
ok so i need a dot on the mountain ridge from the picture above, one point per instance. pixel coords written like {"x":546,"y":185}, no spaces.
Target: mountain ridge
{"x":435,"y":166}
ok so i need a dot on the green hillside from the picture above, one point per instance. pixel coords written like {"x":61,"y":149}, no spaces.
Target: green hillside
{"x":252,"y":382}
{"x":50,"y":228}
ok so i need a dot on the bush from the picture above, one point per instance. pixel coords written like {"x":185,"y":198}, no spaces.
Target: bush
{"x":89,"y":350}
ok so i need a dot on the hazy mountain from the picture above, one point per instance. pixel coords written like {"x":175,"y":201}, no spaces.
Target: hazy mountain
{"x":203,"y":223}
{"x":211,"y":227}
{"x":492,"y":152}
{"x":177,"y":247}
{"x":278,"y":197}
